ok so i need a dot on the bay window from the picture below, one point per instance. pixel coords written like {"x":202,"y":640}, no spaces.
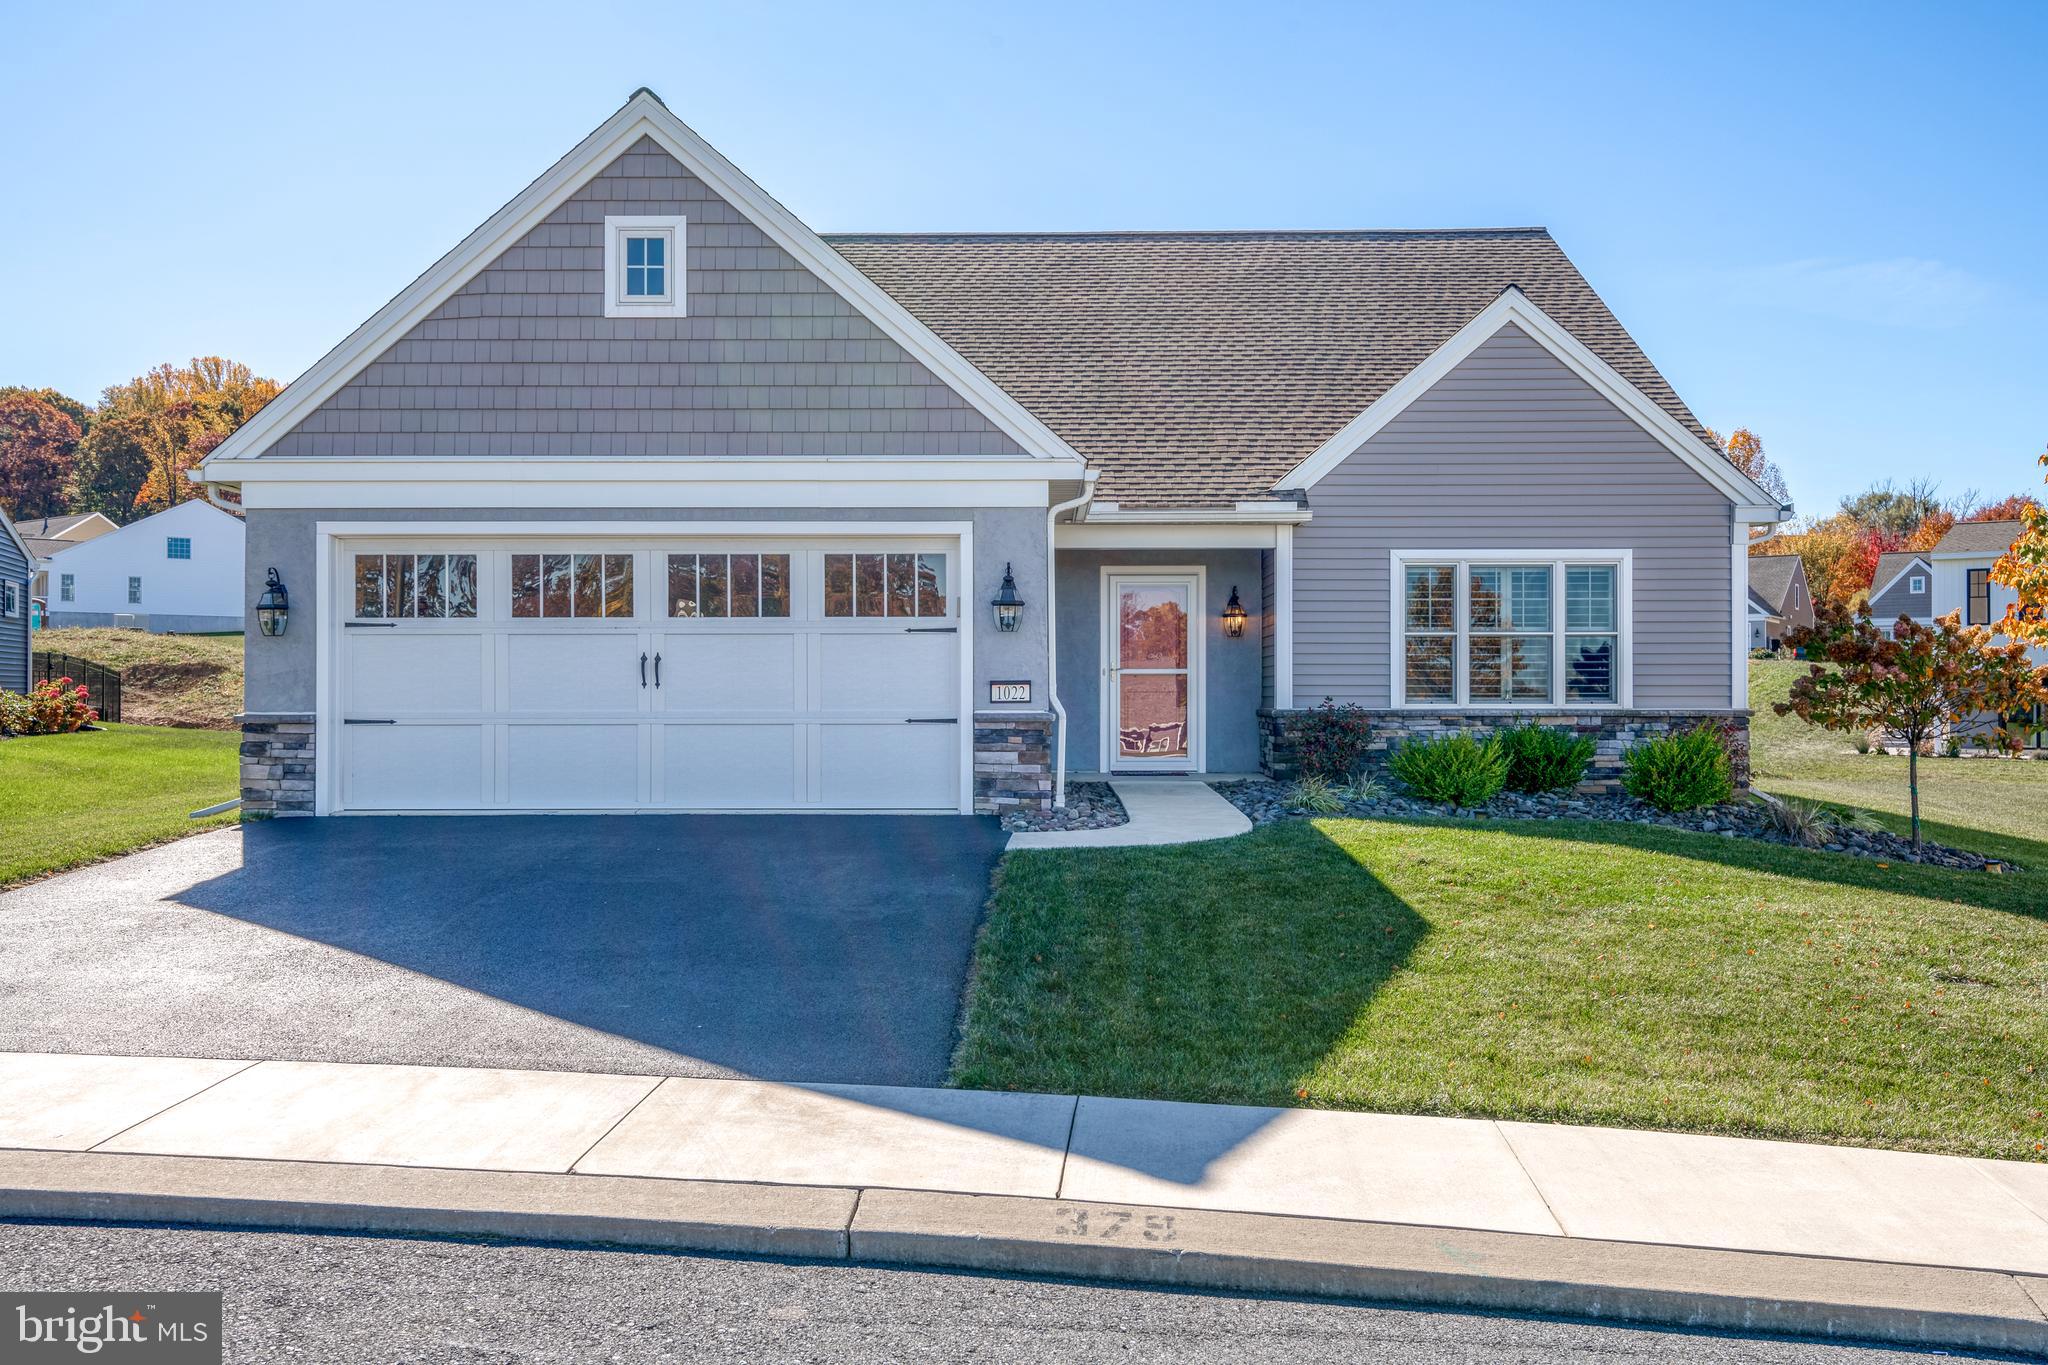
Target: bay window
{"x":1511,"y":630}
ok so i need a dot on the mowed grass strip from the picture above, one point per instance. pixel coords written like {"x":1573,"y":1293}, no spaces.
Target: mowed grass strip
{"x":1578,"y":972}
{"x":66,"y":800}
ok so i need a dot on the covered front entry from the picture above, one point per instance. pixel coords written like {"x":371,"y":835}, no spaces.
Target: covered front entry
{"x":583,"y":672}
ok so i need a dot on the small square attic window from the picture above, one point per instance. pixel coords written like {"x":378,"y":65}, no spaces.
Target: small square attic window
{"x":177,"y":547}
{"x":644,"y":264}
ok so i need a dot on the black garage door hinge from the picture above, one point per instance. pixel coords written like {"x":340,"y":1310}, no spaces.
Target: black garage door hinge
{"x":369,"y":722}
{"x":931,"y":720}
{"x":370,"y":625}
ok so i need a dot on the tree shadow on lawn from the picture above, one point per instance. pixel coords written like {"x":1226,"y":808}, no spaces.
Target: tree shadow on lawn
{"x":1218,"y":972}
{"x":2023,"y":893}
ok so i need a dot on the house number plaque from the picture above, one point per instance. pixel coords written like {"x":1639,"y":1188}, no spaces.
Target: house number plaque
{"x":1009,"y":691}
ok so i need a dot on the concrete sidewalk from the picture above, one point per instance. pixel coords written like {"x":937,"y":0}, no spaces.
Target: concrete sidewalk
{"x":508,"y":1151}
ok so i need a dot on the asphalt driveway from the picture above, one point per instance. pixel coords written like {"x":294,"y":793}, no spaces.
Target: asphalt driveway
{"x":813,"y":948}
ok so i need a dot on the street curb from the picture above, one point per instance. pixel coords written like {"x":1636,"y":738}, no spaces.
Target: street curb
{"x":764,"y":1220}
{"x":1187,"y":1248}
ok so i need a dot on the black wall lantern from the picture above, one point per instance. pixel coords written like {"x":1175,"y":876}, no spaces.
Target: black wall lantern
{"x":1008,"y":607}
{"x":1233,"y":616}
{"x":274,"y":608}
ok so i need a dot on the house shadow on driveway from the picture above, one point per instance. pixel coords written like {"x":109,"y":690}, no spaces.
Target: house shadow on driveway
{"x":800,"y":948}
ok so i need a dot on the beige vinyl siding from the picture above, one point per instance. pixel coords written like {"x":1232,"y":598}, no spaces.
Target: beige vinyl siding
{"x":1512,"y":451}
{"x":771,"y":361}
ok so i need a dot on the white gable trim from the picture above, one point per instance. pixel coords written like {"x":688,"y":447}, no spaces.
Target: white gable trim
{"x":643,"y":115}
{"x":1513,"y":307}
{"x":1925,"y":568}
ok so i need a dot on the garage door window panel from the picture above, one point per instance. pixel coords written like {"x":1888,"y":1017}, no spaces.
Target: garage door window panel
{"x":885,"y":585}
{"x":572,"y":586}
{"x":717,"y":586}
{"x":415,"y":587}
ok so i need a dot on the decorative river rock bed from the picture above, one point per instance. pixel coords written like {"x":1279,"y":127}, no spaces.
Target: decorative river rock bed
{"x":1090,"y":805}
{"x":1265,"y":801}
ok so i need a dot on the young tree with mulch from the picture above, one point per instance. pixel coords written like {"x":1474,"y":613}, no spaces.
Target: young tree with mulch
{"x":1918,"y":682}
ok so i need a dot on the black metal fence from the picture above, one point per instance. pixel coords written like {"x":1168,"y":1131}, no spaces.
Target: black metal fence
{"x":102,"y":684}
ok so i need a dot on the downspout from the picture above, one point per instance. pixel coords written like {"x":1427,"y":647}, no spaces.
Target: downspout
{"x":1052,"y":643}
{"x":233,"y":508}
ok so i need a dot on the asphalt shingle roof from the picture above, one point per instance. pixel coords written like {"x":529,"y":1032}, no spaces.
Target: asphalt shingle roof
{"x":1980,"y":537}
{"x":1197,"y":368}
{"x":1770,"y":577}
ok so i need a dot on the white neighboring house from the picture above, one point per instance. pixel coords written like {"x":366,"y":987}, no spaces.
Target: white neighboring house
{"x":1961,"y":562}
{"x":179,"y":570}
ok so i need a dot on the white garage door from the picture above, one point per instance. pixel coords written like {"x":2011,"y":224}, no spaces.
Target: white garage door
{"x":699,"y":675}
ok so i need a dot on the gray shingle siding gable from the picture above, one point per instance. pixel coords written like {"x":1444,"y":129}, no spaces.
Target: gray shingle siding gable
{"x":1511,"y":450}
{"x":522,"y":361}
{"x":1898,"y":601}
{"x":14,"y":642}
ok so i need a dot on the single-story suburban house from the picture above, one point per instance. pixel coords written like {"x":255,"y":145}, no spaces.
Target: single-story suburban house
{"x":1779,"y":599}
{"x":178,"y":570}
{"x":16,"y":564}
{"x":648,"y":497}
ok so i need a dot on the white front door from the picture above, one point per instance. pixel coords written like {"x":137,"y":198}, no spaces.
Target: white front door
{"x":1152,"y":712}
{"x":697,"y":675}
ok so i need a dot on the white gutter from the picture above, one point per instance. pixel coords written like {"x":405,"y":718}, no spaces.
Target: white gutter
{"x":1052,"y":643}
{"x":196,"y":476}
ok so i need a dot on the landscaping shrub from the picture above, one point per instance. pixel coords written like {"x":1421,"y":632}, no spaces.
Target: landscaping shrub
{"x":1452,"y":770}
{"x":1542,"y":759}
{"x":1333,"y":740}
{"x":1680,"y":772}
{"x":55,"y":707}
{"x":1366,"y":787}
{"x":1314,"y":795}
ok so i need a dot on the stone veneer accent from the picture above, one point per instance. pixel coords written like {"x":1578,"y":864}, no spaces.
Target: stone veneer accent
{"x":277,"y":765}
{"x":1012,"y":761}
{"x":1612,"y":732}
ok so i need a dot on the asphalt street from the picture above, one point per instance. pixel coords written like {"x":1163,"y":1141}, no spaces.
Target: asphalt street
{"x":315,"y":1298}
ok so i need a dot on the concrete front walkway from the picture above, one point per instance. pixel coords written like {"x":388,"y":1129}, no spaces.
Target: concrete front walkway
{"x":1163,"y":810}
{"x":1554,"y":1181}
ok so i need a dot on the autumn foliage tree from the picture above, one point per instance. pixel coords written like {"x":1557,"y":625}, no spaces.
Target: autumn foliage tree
{"x":2024,"y":569}
{"x":175,"y":414}
{"x":1745,"y":450}
{"x":1919,"y":682}
{"x":37,"y":443}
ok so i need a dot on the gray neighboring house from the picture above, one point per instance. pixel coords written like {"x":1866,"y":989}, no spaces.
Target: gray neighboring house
{"x":1903,"y":585}
{"x":16,"y":567}
{"x":1780,"y":600}
{"x":647,"y":497}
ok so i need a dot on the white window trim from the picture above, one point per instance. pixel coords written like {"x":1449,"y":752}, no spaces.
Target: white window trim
{"x":1463,"y":560}
{"x":67,"y":587}
{"x":134,"y":590}
{"x":10,"y":600}
{"x":619,"y":227}
{"x":1916,"y":584}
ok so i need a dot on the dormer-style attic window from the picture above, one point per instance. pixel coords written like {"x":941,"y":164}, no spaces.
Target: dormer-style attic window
{"x":644,"y":267}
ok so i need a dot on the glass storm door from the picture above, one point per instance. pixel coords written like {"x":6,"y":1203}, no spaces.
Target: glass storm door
{"x":1152,"y":710}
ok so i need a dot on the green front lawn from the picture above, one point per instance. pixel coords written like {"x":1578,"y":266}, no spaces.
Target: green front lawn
{"x":71,"y":799}
{"x":1578,"y":972}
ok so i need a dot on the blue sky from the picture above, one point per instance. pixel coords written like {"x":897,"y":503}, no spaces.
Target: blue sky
{"x":1823,"y":222}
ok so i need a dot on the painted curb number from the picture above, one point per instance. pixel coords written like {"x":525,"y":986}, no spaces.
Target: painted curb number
{"x":1110,"y":1224}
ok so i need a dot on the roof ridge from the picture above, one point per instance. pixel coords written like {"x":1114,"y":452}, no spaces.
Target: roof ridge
{"x":1014,"y":234}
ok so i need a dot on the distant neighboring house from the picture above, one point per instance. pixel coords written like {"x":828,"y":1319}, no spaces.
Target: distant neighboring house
{"x":1962,"y":562}
{"x":180,"y":570}
{"x":1779,"y":600}
{"x":15,"y":566}
{"x":1961,"y":582}
{"x":1902,"y":586}
{"x":46,"y":536}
